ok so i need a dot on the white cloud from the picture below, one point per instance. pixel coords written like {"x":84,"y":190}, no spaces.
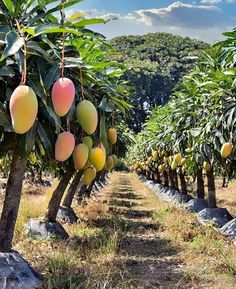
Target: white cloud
{"x":211,"y":2}
{"x":205,"y":22}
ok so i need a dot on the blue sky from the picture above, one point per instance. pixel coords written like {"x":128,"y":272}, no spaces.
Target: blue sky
{"x":202,"y":19}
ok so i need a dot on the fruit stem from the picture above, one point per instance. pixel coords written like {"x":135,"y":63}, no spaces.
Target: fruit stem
{"x":24,"y":72}
{"x":63,"y":39}
{"x":81,"y":84}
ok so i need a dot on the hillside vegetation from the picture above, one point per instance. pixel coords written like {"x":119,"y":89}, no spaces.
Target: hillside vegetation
{"x":156,"y":63}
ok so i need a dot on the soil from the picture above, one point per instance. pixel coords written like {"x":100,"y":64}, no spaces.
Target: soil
{"x":148,"y":259}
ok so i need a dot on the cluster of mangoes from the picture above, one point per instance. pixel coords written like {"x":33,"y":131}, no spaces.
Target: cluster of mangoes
{"x":24,"y":109}
{"x":174,"y":161}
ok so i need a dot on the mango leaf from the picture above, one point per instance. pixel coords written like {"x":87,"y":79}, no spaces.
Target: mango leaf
{"x":103,"y":132}
{"x":54,"y":28}
{"x":5,"y":120}
{"x":52,"y":75}
{"x":9,"y":5}
{"x":45,"y":139}
{"x":13,"y":44}
{"x":90,"y":21}
{"x":6,"y":71}
{"x":106,"y":105}
{"x":30,"y":139}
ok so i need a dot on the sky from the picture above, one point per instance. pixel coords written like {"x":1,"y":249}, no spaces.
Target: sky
{"x":202,"y":19}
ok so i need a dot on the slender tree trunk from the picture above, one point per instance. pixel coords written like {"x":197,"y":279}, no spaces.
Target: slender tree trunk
{"x":211,"y":189}
{"x":225,"y":182}
{"x":176,"y":180}
{"x":54,"y":203}
{"x":200,"y":184}
{"x":182,"y":182}
{"x":166,"y":178}
{"x":172,"y":178}
{"x":158,"y":179}
{"x":81,"y":193}
{"x":72,"y":190}
{"x":11,"y":201}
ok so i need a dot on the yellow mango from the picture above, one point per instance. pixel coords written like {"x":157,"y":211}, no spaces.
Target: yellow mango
{"x":89,"y":175}
{"x":80,"y":156}
{"x":23,"y":109}
{"x":64,"y":146}
{"x":87,"y":116}
{"x":226,"y":149}
{"x":112,"y":135}
{"x":97,"y":157}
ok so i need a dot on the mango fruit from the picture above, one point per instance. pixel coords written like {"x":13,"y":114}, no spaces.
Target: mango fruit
{"x":155,"y":155}
{"x":87,"y":116}
{"x":174,"y":165}
{"x":183,"y":161}
{"x":88,"y":141}
{"x":112,"y":135}
{"x":166,"y":159}
{"x":89,"y":175}
{"x":206,"y":166}
{"x":177,"y":158}
{"x":80,"y":156}
{"x":226,"y":149}
{"x":115,"y":160}
{"x":64,"y":146}
{"x":97,"y":158}
{"x":161,"y":169}
{"x":63,"y":94}
{"x":23,"y":108}
{"x":109,"y":163}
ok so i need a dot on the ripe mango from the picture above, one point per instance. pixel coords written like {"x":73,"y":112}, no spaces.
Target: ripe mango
{"x":112,"y":135}
{"x":115,"y":160}
{"x":161,"y":168}
{"x":177,"y":158}
{"x":87,"y":116}
{"x":174,"y":165}
{"x":109,"y":163}
{"x":155,"y":155}
{"x":80,"y":156}
{"x":63,"y":94}
{"x":226,"y":149}
{"x":206,"y":166}
{"x":64,"y":146}
{"x":89,"y":175}
{"x":88,"y":141}
{"x":23,"y":108}
{"x":97,"y":157}
{"x":166,"y":159}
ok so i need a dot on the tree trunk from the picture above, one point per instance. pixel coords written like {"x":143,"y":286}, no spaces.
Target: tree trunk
{"x":72,"y":190}
{"x":54,"y":203}
{"x":158,"y":179}
{"x":211,"y":189}
{"x":182,"y":182}
{"x":166,"y":178}
{"x":11,"y":201}
{"x":80,"y":194}
{"x":172,"y":178}
{"x":200,"y":184}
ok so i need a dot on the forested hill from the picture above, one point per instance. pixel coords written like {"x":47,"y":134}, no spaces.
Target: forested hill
{"x":157,"y":61}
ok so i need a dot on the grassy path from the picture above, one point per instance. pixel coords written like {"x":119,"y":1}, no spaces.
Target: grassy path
{"x":128,"y":239}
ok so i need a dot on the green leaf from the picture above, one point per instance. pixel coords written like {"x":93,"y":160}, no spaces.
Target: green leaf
{"x":52,"y":75}
{"x":30,"y":139}
{"x":6,"y":71}
{"x":90,"y":21}
{"x":45,"y":139}
{"x":5,"y":120}
{"x":9,"y":5}
{"x":54,"y":28}
{"x":13,"y":44}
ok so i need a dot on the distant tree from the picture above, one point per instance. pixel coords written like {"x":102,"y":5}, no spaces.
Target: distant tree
{"x":156,"y":63}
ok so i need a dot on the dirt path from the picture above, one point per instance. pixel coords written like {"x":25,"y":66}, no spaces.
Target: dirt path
{"x":148,"y":259}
